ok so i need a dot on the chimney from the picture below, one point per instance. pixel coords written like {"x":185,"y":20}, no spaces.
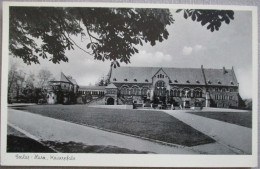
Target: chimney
{"x":224,"y":70}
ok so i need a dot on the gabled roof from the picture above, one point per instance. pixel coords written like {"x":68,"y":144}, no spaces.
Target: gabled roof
{"x":65,"y":79}
{"x":184,"y":76}
{"x":73,"y":81}
{"x":111,"y":86}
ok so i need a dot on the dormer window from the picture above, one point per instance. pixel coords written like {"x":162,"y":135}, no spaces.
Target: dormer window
{"x":135,"y":80}
{"x":188,"y":81}
{"x":125,"y":80}
{"x":176,"y":81}
{"x":114,"y":79}
{"x":146,"y":80}
{"x":219,"y":82}
{"x":197,"y":81}
{"x":170,"y":81}
{"x":232,"y":83}
{"x":209,"y":82}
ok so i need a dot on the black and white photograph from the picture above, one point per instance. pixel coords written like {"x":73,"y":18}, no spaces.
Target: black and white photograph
{"x":147,"y":84}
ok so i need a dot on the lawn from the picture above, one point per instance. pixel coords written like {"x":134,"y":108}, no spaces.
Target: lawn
{"x":238,"y":118}
{"x":150,"y":124}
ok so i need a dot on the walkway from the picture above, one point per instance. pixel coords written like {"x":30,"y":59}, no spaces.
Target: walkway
{"x":235,"y":137}
{"x":48,"y":129}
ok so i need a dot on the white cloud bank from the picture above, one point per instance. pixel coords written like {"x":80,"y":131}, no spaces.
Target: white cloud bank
{"x":144,"y":58}
{"x":188,"y":50}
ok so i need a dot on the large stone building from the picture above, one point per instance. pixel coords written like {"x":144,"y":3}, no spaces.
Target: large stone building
{"x":185,"y":87}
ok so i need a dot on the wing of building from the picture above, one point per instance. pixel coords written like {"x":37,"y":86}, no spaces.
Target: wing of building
{"x":179,"y":86}
{"x":62,"y":89}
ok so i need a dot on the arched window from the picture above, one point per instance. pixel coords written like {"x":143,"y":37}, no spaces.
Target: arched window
{"x":135,"y":90}
{"x":164,"y":91}
{"x":131,"y":91}
{"x":178,"y":93}
{"x":138,"y":91}
{"x":145,"y":91}
{"x":127,"y":91}
{"x":160,"y":84}
{"x":171,"y":93}
{"x":124,"y":90}
{"x":197,"y":93}
{"x":175,"y":93}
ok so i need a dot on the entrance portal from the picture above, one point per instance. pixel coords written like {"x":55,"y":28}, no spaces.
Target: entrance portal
{"x":110,"y":101}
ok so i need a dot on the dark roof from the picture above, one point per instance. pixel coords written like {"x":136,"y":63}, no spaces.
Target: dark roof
{"x":189,"y":76}
{"x":221,"y":77}
{"x":92,"y":87}
{"x":185,"y":75}
{"x":111,"y":86}
{"x":63,"y":78}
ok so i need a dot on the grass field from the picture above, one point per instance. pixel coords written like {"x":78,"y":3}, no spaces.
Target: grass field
{"x":238,"y":118}
{"x":150,"y":124}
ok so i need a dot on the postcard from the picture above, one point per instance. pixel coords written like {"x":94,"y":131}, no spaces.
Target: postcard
{"x":129,"y":85}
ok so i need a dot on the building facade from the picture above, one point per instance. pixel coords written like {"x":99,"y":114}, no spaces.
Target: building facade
{"x":185,"y":87}
{"x":63,"y":90}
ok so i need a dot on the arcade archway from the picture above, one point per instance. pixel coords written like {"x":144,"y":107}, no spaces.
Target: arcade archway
{"x":110,"y":101}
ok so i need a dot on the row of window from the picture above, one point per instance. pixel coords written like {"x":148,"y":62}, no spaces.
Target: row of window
{"x":222,"y":90}
{"x":133,"y":91}
{"x":92,"y":92}
{"x":223,"y":97}
{"x":160,"y":76}
{"x":186,"y":93}
{"x":111,"y":91}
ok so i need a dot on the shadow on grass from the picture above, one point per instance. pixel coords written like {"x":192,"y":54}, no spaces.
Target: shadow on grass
{"x":18,"y":144}
{"x":73,"y":147}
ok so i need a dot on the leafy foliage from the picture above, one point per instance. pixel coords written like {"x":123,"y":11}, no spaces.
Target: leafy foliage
{"x":112,"y":33}
{"x":211,"y":18}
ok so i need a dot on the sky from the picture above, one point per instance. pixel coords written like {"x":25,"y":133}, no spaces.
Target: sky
{"x":189,"y":45}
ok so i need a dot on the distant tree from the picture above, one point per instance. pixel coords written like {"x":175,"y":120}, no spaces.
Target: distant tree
{"x":101,"y":81}
{"x":12,"y":76}
{"x":44,"y":76}
{"x":30,"y":80}
{"x":16,"y":83}
{"x":112,"y":32}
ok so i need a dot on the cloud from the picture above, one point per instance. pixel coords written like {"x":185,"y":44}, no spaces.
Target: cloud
{"x":144,"y":58}
{"x":198,"y":47}
{"x":188,"y":50}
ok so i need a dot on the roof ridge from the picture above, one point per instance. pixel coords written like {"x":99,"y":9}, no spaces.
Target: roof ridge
{"x":157,"y":67}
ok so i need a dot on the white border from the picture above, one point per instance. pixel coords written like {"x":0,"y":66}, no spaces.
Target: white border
{"x":129,"y":159}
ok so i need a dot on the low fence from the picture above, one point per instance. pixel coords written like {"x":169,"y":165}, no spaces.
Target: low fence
{"x":113,"y":106}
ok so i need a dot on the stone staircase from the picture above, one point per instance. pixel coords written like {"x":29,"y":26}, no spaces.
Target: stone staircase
{"x":98,"y":101}
{"x":121,"y":101}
